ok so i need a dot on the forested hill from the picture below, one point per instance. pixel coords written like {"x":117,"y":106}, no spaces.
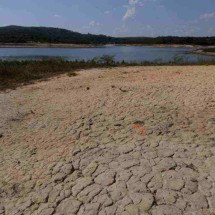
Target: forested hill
{"x":18,"y":34}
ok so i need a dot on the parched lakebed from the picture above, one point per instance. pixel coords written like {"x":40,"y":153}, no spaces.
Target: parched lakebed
{"x":134,"y":140}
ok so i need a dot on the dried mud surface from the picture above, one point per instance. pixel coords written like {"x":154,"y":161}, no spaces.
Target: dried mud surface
{"x":130,"y":141}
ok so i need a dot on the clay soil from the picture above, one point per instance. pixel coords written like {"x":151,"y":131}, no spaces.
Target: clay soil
{"x":134,"y":140}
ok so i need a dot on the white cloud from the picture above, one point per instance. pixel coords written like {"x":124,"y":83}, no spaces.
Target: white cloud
{"x":93,"y":23}
{"x":129,"y":13}
{"x":133,"y":2}
{"x":107,"y":12}
{"x":131,"y":9}
{"x":207,"y":16}
{"x":57,"y":15}
{"x":92,"y":26}
{"x":132,"y":6}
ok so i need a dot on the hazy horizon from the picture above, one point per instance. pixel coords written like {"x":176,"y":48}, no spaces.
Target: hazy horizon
{"x":134,"y":18}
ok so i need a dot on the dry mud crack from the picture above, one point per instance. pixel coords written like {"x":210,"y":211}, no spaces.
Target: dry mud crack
{"x":124,"y":141}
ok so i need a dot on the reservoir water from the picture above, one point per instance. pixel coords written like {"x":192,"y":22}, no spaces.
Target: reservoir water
{"x":126,"y":53}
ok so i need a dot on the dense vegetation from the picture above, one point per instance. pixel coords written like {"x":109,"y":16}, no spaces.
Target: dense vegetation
{"x":14,"y":73}
{"x":18,"y":34}
{"x":209,"y":50}
{"x":203,"y":41}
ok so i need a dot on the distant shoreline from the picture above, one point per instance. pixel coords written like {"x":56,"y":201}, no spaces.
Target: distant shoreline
{"x":47,"y":45}
{"x":61,"y":45}
{"x":197,"y":48}
{"x":202,"y":52}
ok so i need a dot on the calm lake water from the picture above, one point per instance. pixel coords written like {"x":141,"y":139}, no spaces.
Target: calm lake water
{"x":126,"y":53}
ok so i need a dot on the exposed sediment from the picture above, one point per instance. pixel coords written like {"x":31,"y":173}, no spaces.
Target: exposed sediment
{"x":138,"y":140}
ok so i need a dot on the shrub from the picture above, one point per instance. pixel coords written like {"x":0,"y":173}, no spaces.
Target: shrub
{"x":13,"y":72}
{"x":107,"y":60}
{"x":72,"y":74}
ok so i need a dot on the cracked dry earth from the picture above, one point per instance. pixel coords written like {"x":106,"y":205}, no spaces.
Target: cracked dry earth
{"x":124,"y":141}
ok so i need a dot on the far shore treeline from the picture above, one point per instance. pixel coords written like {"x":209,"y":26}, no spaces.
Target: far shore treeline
{"x":19,"y":34}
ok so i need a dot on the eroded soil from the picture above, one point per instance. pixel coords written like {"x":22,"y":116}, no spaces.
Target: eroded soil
{"x":138,"y":140}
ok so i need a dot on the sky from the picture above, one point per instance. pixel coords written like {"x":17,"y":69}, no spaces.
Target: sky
{"x":115,"y":17}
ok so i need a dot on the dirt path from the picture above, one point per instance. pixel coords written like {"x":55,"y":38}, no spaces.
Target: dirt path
{"x":125,"y":141}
